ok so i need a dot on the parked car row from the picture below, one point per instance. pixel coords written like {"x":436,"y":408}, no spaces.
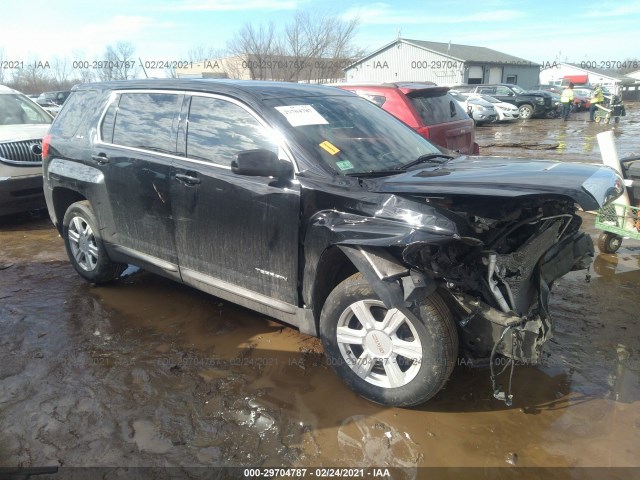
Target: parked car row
{"x":530,"y":103}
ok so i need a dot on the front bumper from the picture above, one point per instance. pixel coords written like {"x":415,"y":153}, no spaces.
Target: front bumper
{"x":21,"y":194}
{"x":482,"y":118}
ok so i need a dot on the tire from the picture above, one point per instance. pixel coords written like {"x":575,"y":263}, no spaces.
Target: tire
{"x":598,"y":119}
{"x":609,"y":242}
{"x":605,"y":120}
{"x":368,"y":359}
{"x":84,"y":245}
{"x":526,"y":111}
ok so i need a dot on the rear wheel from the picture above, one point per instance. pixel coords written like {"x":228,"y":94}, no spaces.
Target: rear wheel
{"x":84,"y":245}
{"x":383,"y":354}
{"x":526,"y":111}
{"x":609,"y":242}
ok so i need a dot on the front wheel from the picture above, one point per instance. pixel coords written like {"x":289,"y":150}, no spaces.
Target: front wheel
{"x":84,"y":245}
{"x":526,"y":111}
{"x":609,"y":242}
{"x":385,"y":355}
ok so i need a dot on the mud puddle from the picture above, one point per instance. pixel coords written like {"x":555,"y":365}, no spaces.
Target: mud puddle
{"x":146,"y":372}
{"x":554,"y":139}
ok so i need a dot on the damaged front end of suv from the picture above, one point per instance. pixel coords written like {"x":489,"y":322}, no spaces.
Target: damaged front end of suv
{"x":411,"y":254}
{"x":488,"y":236}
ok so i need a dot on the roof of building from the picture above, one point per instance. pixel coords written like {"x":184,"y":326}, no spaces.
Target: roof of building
{"x":462,"y":53}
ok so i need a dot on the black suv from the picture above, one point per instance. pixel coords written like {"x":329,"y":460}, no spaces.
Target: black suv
{"x":530,"y":103}
{"x":314,"y":206}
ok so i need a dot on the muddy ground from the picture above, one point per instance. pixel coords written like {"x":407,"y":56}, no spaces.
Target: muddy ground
{"x":146,"y":372}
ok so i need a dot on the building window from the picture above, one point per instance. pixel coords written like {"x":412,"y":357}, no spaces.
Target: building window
{"x":513,"y":79}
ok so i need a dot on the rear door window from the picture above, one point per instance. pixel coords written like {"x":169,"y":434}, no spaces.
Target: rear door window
{"x":147,"y":121}
{"x":435,"y":109}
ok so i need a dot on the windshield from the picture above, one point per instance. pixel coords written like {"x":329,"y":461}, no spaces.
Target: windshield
{"x":350,"y":134}
{"x":16,"y":109}
{"x":517,"y":89}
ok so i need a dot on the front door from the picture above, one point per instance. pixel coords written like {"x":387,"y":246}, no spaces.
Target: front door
{"x":237,"y":233}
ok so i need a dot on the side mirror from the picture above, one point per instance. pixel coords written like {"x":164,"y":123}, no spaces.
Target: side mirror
{"x":261,"y":163}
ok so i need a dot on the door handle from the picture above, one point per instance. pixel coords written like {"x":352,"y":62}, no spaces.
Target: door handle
{"x":187,"y":179}
{"x":101,"y":158}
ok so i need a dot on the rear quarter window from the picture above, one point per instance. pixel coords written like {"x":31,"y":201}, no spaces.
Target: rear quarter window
{"x":438,"y":109}
{"x":76,"y":111}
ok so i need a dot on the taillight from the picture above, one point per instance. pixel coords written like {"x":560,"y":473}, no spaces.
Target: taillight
{"x":45,"y":145}
{"x":424,"y":131}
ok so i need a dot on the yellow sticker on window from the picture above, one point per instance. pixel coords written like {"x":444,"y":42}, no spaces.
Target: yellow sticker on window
{"x":329,"y":147}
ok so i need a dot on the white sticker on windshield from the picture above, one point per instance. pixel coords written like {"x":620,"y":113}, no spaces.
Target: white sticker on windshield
{"x":298,"y":115}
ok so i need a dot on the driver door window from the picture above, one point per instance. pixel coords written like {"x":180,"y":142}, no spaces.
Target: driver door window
{"x":218,"y":130}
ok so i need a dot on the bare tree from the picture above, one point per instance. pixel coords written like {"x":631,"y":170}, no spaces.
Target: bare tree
{"x":33,"y":78}
{"x":257,"y":47}
{"x":82,"y":70}
{"x":118,"y":63}
{"x":313,"y":47}
{"x":201,"y":52}
{"x":61,"y":71}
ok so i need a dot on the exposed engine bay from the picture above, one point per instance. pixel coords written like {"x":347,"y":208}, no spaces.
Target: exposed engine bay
{"x":499,"y":278}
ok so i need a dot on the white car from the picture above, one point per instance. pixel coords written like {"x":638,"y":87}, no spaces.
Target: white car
{"x":480,"y":110}
{"x":506,"y":111}
{"x":23,"y":123}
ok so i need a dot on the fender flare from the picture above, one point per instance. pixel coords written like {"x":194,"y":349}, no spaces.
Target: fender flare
{"x":395,"y":284}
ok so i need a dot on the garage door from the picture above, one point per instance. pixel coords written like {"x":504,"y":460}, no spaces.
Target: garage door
{"x":475,"y":75}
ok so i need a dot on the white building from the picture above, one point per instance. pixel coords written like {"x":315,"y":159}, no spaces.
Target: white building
{"x":562,"y":73}
{"x":442,"y":63}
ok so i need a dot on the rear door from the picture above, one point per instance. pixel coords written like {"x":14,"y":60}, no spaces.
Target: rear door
{"x":138,"y":142}
{"x":235,"y":233}
{"x":447,"y":122}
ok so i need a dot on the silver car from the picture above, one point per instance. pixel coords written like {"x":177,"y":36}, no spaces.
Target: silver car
{"x":480,"y":110}
{"x":23,"y":123}
{"x":506,"y":111}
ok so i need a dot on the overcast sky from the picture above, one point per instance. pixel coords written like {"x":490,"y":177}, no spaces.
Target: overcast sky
{"x":539,"y":31}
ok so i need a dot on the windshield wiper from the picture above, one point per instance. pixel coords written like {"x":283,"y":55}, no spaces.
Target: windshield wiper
{"x":372,"y":173}
{"x":429,"y":157}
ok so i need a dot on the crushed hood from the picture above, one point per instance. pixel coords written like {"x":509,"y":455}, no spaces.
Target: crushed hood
{"x":590,"y":186}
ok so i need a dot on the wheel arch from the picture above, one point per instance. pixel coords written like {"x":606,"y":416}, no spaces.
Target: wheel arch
{"x":332,"y":268}
{"x":63,"y":198}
